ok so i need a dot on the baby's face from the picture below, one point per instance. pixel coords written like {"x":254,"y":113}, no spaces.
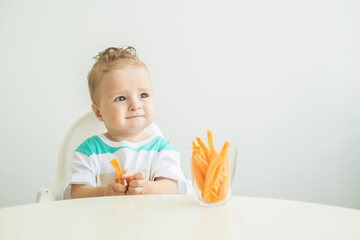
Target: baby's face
{"x":125,"y":100}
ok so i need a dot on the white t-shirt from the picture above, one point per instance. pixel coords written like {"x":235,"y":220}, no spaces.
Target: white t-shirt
{"x":154,"y":156}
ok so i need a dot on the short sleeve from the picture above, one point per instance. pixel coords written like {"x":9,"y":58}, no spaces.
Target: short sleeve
{"x":83,"y":171}
{"x":167,"y":164}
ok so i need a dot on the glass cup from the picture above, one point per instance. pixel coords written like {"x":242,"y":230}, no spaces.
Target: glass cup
{"x":212,"y":175}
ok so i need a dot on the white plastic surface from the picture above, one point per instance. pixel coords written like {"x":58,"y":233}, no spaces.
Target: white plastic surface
{"x":178,"y":217}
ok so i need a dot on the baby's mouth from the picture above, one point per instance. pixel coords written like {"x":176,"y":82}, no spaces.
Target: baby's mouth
{"x":135,"y":116}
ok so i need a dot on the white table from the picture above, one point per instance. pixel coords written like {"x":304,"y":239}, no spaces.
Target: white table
{"x":178,"y":217}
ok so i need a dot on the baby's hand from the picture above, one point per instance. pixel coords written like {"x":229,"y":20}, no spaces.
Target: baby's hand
{"x":114,"y":188}
{"x":136,"y":185}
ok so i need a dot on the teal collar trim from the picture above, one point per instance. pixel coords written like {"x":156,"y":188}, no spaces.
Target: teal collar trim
{"x":95,"y":145}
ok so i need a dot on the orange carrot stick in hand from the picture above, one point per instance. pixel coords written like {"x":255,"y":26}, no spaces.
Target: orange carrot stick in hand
{"x":128,"y":183}
{"x":116,"y":165}
{"x":128,"y":180}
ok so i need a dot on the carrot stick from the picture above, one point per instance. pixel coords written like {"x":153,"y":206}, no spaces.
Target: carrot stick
{"x":204,"y":148}
{"x":214,"y":170}
{"x":200,"y":180}
{"x":128,"y":183}
{"x":209,"y":179}
{"x":225,"y":147}
{"x":213,"y":197}
{"x":224,"y":188}
{"x":195,"y":167}
{"x":198,"y":175}
{"x":215,"y":177}
{"x":225,"y":174}
{"x":217,"y":185}
{"x":224,"y":157}
{"x":211,"y":141}
{"x":201,"y":163}
{"x":199,"y":166}
{"x":213,"y":154}
{"x":116,"y":165}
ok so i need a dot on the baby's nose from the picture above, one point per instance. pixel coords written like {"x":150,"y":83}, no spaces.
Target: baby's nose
{"x":132,"y":108}
{"x":135,"y":105}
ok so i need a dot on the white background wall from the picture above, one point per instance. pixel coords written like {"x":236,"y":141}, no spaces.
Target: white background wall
{"x":278,"y":78}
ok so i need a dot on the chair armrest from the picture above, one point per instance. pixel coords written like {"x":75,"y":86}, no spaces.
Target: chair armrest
{"x":44,"y":194}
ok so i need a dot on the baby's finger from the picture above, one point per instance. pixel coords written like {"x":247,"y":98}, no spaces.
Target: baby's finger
{"x":136,"y":183}
{"x":134,"y":191}
{"x":126,"y":175}
{"x":118,"y":188}
{"x":139,"y":175}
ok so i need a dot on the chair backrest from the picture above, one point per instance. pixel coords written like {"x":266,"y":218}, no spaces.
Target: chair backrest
{"x":86,"y":126}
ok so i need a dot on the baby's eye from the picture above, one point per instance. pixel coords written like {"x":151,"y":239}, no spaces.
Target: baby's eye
{"x":121,"y":98}
{"x":144,"y":95}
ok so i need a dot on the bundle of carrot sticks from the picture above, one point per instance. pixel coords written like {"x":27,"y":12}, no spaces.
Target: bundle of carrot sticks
{"x":211,"y":169}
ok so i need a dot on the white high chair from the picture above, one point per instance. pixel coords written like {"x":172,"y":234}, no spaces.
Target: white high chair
{"x":86,"y":126}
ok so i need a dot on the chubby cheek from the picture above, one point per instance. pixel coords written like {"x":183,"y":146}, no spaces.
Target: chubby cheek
{"x":116,"y":116}
{"x":150,"y":111}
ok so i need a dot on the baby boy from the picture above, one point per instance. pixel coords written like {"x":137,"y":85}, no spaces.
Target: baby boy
{"x":122,"y":98}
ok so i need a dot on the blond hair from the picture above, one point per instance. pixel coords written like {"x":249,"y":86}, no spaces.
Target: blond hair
{"x":107,"y":60}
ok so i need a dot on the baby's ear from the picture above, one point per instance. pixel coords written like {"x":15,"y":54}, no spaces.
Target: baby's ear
{"x":96,"y":110}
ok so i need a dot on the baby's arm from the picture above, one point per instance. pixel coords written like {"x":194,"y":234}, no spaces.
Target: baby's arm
{"x":163,"y":185}
{"x":112,"y":189}
{"x":139,"y":185}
